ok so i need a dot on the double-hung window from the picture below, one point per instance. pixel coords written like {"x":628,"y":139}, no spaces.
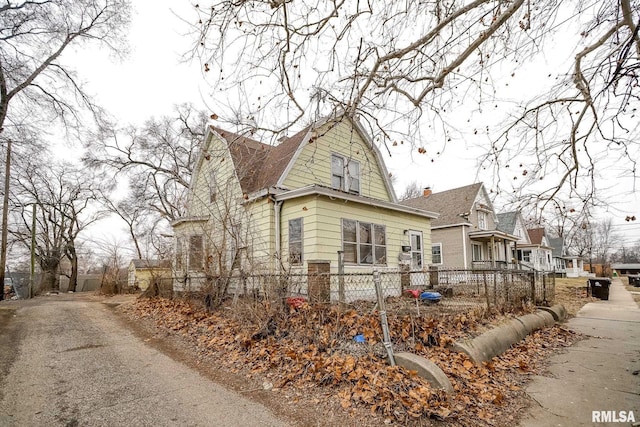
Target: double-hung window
{"x":295,"y":241}
{"x":213,"y":188}
{"x":364,"y":243}
{"x":196,"y":252}
{"x":436,"y":253}
{"x":345,"y":174}
{"x":482,"y":220}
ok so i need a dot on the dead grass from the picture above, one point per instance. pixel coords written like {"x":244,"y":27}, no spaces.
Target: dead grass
{"x":572,"y":294}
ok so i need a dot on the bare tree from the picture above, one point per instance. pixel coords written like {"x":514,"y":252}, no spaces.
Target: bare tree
{"x":290,"y":61}
{"x":412,"y":190}
{"x":157,"y":161}
{"x":66,"y":200}
{"x":34,"y":84}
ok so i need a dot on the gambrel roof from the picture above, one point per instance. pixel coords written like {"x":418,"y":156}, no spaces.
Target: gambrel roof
{"x":452,"y":205}
{"x":261,"y":166}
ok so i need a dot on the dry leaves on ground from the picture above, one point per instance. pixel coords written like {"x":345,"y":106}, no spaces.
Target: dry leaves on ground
{"x":311,"y":348}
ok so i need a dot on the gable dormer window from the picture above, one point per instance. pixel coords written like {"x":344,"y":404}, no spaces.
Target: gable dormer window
{"x":345,"y":174}
{"x":482,"y":220}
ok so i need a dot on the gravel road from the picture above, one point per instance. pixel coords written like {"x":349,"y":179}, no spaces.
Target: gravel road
{"x":67,"y":360}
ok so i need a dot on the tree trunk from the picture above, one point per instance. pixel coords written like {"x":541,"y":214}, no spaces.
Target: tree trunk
{"x":73,"y":278}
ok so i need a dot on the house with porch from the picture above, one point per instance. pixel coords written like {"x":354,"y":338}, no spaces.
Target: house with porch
{"x":513,"y":223}
{"x":318,"y":201}
{"x":466,"y":233}
{"x":558,"y":255}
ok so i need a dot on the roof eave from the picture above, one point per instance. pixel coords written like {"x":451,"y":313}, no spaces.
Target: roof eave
{"x":324,"y":191}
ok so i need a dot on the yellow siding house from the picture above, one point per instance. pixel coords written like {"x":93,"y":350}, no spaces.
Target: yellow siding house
{"x":322,"y":192}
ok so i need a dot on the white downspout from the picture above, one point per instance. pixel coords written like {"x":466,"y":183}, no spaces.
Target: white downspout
{"x":276,"y":213}
{"x":464,"y":248}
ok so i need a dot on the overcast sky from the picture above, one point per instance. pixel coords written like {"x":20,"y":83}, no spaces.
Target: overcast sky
{"x":153,"y":79}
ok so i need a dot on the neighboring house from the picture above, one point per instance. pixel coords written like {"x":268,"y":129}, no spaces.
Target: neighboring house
{"x":256,"y":208}
{"x":513,"y":224}
{"x":538,"y":254}
{"x":143,"y":272}
{"x":559,"y":255}
{"x":624,"y":269}
{"x":465,"y":235}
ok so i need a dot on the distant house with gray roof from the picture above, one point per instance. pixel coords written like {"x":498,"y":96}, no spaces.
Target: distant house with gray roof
{"x":466,"y":233}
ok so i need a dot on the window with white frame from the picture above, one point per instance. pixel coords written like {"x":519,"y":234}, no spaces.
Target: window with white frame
{"x":436,"y":253}
{"x":196,"y":252}
{"x":482,"y":220}
{"x":180,"y":253}
{"x":476,"y":252}
{"x":295,"y":241}
{"x":213,"y":188}
{"x":364,"y":243}
{"x":345,"y":174}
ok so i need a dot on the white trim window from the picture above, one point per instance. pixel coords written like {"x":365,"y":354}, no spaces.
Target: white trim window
{"x":436,"y":253}
{"x":180,"y":254}
{"x":295,"y":241}
{"x":364,"y":243}
{"x":196,"y":252}
{"x":482,"y":220}
{"x":213,"y":188}
{"x":476,"y":250}
{"x":345,"y":174}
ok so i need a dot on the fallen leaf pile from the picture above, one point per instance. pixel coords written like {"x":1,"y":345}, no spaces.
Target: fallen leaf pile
{"x":313,"y":348}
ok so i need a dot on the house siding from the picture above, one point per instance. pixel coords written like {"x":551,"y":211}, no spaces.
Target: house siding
{"x":453,"y":246}
{"x":322,"y":229}
{"x":313,"y":165}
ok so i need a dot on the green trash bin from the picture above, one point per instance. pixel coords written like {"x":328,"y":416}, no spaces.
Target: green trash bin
{"x":599,"y":287}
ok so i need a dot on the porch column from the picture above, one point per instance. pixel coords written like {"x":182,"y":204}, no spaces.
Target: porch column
{"x":493,"y":252}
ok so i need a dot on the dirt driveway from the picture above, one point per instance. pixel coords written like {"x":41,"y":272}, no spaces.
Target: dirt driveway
{"x":68,"y":360}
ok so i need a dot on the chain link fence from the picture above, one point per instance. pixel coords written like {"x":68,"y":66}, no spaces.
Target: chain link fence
{"x":459,"y":290}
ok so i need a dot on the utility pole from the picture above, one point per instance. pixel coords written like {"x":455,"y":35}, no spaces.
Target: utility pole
{"x":32,"y":273}
{"x":5,"y":217}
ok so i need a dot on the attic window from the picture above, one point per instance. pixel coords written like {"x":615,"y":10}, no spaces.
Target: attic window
{"x":482,"y":220}
{"x":213,"y":188}
{"x":345,"y":174}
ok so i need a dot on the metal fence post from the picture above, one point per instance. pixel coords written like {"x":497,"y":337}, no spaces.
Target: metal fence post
{"x":533,"y":287}
{"x":383,"y":318}
{"x":341,"y":297}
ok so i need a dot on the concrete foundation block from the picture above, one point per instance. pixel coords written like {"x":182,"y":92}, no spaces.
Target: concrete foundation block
{"x":426,"y":369}
{"x":558,"y":312}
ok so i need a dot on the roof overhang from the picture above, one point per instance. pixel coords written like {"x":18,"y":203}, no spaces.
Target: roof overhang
{"x":316,"y":190}
{"x":486,"y":235}
{"x":189,"y":220}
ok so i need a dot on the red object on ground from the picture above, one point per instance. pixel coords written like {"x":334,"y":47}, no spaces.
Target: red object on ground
{"x":414,"y":292}
{"x":296,"y":302}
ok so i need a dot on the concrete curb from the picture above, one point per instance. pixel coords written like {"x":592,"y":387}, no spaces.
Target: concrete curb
{"x":426,"y":369}
{"x":496,"y":341}
{"x":558,"y":312}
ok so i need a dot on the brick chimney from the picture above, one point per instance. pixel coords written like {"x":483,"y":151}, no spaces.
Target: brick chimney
{"x":426,"y":192}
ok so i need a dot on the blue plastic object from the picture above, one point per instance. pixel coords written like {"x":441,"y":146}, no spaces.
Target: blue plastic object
{"x":430,"y":296}
{"x":359,"y":338}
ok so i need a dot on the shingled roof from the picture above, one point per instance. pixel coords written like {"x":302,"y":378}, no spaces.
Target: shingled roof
{"x":450,"y":204}
{"x":260,"y":165}
{"x":507,"y":221}
{"x":536,"y":235}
